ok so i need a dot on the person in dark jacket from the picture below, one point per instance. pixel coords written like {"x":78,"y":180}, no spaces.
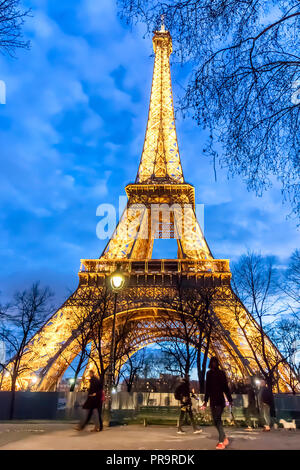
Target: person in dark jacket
{"x":93,"y":402}
{"x":216,"y":387}
{"x":266,"y":405}
{"x":251,"y":410}
{"x":184,"y":394}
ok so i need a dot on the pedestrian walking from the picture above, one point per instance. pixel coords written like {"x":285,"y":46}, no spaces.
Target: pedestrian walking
{"x":251,"y":410}
{"x":93,"y":402}
{"x":216,"y":387}
{"x":266,"y":405}
{"x":184,"y":395}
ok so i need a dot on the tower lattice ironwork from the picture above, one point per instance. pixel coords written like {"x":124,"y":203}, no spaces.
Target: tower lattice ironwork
{"x":161,"y":204}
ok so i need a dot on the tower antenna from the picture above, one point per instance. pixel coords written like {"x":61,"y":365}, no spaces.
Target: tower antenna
{"x":162,"y":26}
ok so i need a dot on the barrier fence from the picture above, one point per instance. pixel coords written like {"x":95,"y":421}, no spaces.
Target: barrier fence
{"x":68,"y":405}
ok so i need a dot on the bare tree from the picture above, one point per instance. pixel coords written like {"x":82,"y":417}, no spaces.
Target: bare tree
{"x":192,"y":328}
{"x":179,"y":330}
{"x":12,"y":17}
{"x":200,"y":303}
{"x":155,"y":369}
{"x":178,"y":353}
{"x":286,"y":335}
{"x":124,"y":345}
{"x":244,"y":83}
{"x":91,"y":307}
{"x":291,"y":284}
{"x":82,"y":334}
{"x":23,"y":317}
{"x":255,"y":283}
{"x":133,"y":368}
{"x":92,"y":332}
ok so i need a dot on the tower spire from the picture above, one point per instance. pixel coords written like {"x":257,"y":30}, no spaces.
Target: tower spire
{"x":162,"y":25}
{"x":160,"y":161}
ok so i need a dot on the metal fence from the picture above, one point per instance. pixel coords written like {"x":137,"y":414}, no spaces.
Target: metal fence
{"x":68,"y":405}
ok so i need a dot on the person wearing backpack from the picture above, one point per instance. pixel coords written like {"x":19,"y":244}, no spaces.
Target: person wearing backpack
{"x":184,"y":395}
{"x":216,"y":387}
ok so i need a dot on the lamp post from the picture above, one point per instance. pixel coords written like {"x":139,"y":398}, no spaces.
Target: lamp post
{"x":116,"y":283}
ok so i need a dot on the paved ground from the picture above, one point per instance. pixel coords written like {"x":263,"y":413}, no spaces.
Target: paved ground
{"x":54,"y":435}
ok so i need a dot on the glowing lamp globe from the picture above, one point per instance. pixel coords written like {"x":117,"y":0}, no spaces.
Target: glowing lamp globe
{"x":117,"y":281}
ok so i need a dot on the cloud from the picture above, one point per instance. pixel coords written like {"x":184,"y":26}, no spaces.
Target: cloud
{"x":71,"y":136}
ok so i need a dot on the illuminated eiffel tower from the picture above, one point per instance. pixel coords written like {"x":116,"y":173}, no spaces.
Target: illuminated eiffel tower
{"x":160,"y":205}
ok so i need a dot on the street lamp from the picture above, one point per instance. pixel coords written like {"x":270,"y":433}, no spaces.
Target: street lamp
{"x":116,"y":283}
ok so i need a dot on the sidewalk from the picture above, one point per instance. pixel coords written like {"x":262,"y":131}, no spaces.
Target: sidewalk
{"x":62,"y":436}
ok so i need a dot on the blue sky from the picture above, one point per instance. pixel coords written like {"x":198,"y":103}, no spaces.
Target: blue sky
{"x":71,"y":135}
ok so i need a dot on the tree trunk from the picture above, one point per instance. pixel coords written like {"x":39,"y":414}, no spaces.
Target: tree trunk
{"x":199,"y":367}
{"x":13,"y":397}
{"x":269,"y":381}
{"x":187,"y":368}
{"x":202,"y":379}
{"x":73,"y":385}
{"x":204,"y":364}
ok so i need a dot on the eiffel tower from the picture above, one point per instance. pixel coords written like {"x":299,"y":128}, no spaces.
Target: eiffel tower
{"x":159,"y":184}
